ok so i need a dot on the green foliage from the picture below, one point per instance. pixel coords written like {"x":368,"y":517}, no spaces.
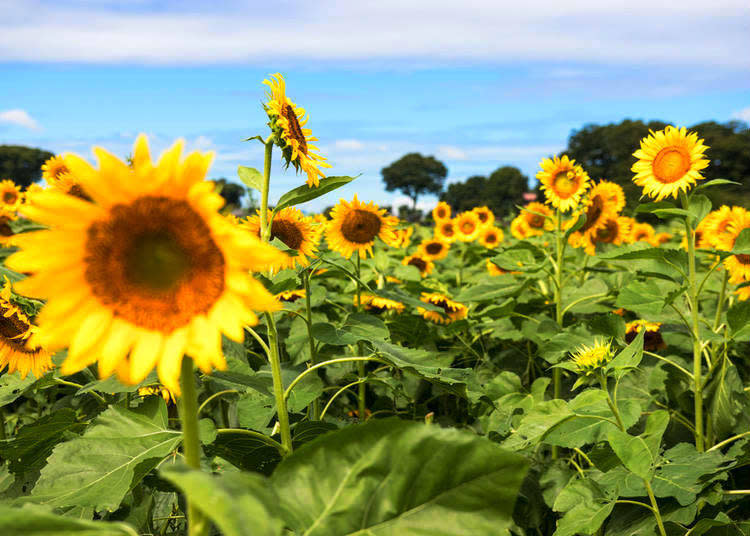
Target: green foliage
{"x":502,"y":191}
{"x":23,"y":165}
{"x":414,"y":175}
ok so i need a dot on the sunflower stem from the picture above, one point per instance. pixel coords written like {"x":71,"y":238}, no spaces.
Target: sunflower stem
{"x":266,"y":187}
{"x":278,"y":384}
{"x":362,"y":388}
{"x":313,"y":356}
{"x":722,"y":299}
{"x":191,"y":447}
{"x":557,"y":373}
{"x":693,"y":303}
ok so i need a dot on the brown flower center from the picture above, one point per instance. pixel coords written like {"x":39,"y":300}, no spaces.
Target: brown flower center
{"x":467,"y":227}
{"x":484,"y":217}
{"x":447,"y":229}
{"x":12,"y":329}
{"x":743,"y":259}
{"x":420,"y":264}
{"x":433,"y":248}
{"x":287,"y":232}
{"x":671,"y":164}
{"x":154,"y":263}
{"x":360,"y":226}
{"x":10,"y":197}
{"x":77,"y":191}
{"x":608,"y":233}
{"x":441,"y":212}
{"x":295,"y":129}
{"x":490,"y":238}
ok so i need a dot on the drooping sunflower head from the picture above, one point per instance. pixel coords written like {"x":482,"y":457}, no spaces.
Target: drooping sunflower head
{"x":491,"y":236}
{"x":354,"y":226}
{"x":297,"y":232}
{"x":147,"y":272}
{"x":467,"y":226}
{"x":485,"y":215}
{"x":445,"y":230}
{"x":17,"y":352}
{"x":403,"y":237}
{"x":441,"y":212}
{"x":287,"y":121}
{"x":433,"y":249}
{"x":652,"y":339}
{"x":291,"y":296}
{"x":604,"y":202}
{"x":10,"y":197}
{"x":538,"y":218}
{"x":377,"y":304}
{"x":563,"y":182}
{"x":423,"y":264}
{"x":452,"y":310}
{"x":589,"y":359}
{"x":669,"y":161}
{"x":738,"y":266}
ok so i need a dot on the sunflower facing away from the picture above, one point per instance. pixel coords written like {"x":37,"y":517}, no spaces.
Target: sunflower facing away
{"x":354,"y":226}
{"x":146,"y":273}
{"x":490,"y":237}
{"x":652,"y":339}
{"x":589,"y":359}
{"x":453,"y":310}
{"x":287,"y":121}
{"x":378,"y":304}
{"x":16,"y":351}
{"x":423,"y":264}
{"x":445,"y":230}
{"x":433,"y":249}
{"x":10,"y":197}
{"x":295,"y":230}
{"x":441,"y":212}
{"x":563,"y":181}
{"x":468,"y":226}
{"x":615,"y":231}
{"x":669,"y":161}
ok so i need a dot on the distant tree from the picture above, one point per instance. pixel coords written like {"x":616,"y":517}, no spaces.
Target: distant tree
{"x":501,"y":192}
{"x":23,"y":165}
{"x":409,"y":214}
{"x":231,"y":192}
{"x":415,"y":175}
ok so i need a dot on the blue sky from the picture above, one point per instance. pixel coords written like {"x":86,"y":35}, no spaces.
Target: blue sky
{"x":477,"y":84}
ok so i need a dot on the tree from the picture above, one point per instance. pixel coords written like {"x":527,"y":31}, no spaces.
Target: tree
{"x":23,"y":165}
{"x":414,"y":175}
{"x":501,"y":192}
{"x":231,"y":192}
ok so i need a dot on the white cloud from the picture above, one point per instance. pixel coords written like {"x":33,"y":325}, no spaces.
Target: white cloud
{"x":451,"y":153}
{"x":743,"y":115}
{"x":440,"y":30}
{"x":349,"y":145}
{"x":20,"y":118}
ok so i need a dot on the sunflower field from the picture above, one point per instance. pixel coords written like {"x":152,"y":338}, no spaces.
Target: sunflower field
{"x":172,"y":369}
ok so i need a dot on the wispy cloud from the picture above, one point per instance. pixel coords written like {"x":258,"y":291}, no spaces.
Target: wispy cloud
{"x":742,"y":115}
{"x":629,"y":31}
{"x":19,"y":118}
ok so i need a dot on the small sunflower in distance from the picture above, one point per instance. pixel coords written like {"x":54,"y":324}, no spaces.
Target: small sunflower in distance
{"x":354,"y":226}
{"x":669,"y":161}
{"x":452,"y":310}
{"x":55,"y":171}
{"x":615,"y":231}
{"x":537,"y":217}
{"x":468,"y":226}
{"x":10,"y":196}
{"x":433,"y":249}
{"x":519,"y":228}
{"x":158,"y":390}
{"x":652,"y":339}
{"x":6,"y":231}
{"x":642,"y":232}
{"x":738,"y":266}
{"x":295,"y":230}
{"x":589,"y":359}
{"x":377,"y":304}
{"x":403,"y":237}
{"x":424,"y":265}
{"x":563,"y":181}
{"x":146,"y":273}
{"x":490,"y":237}
{"x":445,"y":230}
{"x":485,"y":215}
{"x":441,"y":212}
{"x":287,"y":121}
{"x":291,"y":296}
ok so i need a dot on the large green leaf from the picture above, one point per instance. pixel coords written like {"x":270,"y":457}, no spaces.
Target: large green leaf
{"x":586,"y":508}
{"x":392,"y":477}
{"x":305,"y":193}
{"x":727,"y":399}
{"x":358,"y":327}
{"x":639,"y":454}
{"x":251,"y":177}
{"x":12,"y":386}
{"x":34,"y":521}
{"x":113,"y":455}
{"x":237,"y":503}
{"x":642,"y":297}
{"x":684,"y":472}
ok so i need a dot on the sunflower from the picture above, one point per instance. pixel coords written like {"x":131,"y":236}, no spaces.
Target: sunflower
{"x":287,"y":122}
{"x":10,"y":196}
{"x":433,"y":249}
{"x":146,"y":273}
{"x":452,"y":310}
{"x":467,"y":226}
{"x":56,"y":171}
{"x":519,"y":228}
{"x":441,"y":212}
{"x":715,"y":224}
{"x":603,"y":203}
{"x":423,"y":264}
{"x":743,"y":293}
{"x":662,"y":238}
{"x":295,"y":230}
{"x":642,"y":232}
{"x":355,"y":225}
{"x":6,"y":231}
{"x":490,"y":236}
{"x":563,"y":182}
{"x":538,"y":218}
{"x":158,"y":390}
{"x":485,"y":215}
{"x":615,"y":231}
{"x":378,"y":304}
{"x":445,"y":230}
{"x":589,"y":359}
{"x":403,"y":237}
{"x":738,"y":266}
{"x":291,"y":296}
{"x":669,"y":161}
{"x":652,"y":339}
{"x":17,"y":352}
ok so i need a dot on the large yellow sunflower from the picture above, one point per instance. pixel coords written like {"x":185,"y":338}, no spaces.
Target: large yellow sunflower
{"x":147,"y":272}
{"x":423,"y":264}
{"x":10,"y":197}
{"x":287,"y":122}
{"x":433,"y":249}
{"x":445,"y":230}
{"x":453,"y":310}
{"x":485,"y":215}
{"x":355,"y":225}
{"x":468,"y":226}
{"x":669,"y":161}
{"x":295,"y":230}
{"x":738,"y":266}
{"x":16,"y":351}
{"x":490,"y":236}
{"x":441,"y":212}
{"x":538,"y":218}
{"x":563,"y":182}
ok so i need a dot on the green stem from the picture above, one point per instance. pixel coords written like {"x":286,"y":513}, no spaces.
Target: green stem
{"x":329,"y":362}
{"x":278,"y":384}
{"x":693,"y":303}
{"x":362,"y":388}
{"x":610,"y":402}
{"x":655,"y":507}
{"x":557,"y":373}
{"x":214,"y":396}
{"x":191,"y":447}
{"x":313,"y":353}
{"x":722,"y":299}
{"x":257,"y":435}
{"x":266,"y":187}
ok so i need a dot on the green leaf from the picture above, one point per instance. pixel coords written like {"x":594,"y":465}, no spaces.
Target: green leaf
{"x":30,"y":521}
{"x":642,"y":297}
{"x":633,"y":452}
{"x":206,"y":431}
{"x":245,"y":452}
{"x":113,"y":455}
{"x":234,"y":502}
{"x":586,"y":508}
{"x":727,"y":399}
{"x":397,"y":477}
{"x":738,"y":319}
{"x":685,"y":472}
{"x":742,"y":243}
{"x":305,"y":193}
{"x":251,"y":177}
{"x":700,"y":205}
{"x":537,"y":423}
{"x":714,"y":182}
{"x":583,"y":298}
{"x":358,"y":327}
{"x":629,"y":358}
{"x":12,"y":386}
